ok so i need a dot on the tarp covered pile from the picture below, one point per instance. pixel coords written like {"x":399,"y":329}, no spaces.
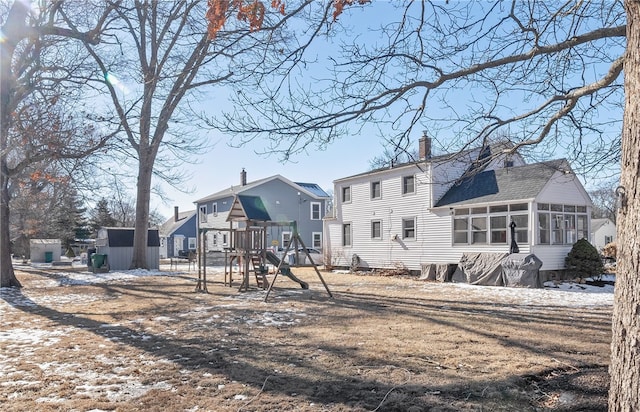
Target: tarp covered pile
{"x":499,"y":269}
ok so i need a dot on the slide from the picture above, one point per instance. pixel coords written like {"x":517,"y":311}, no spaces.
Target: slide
{"x":285,"y":269}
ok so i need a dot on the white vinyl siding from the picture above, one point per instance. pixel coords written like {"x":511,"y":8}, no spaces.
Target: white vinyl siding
{"x":435,"y":228}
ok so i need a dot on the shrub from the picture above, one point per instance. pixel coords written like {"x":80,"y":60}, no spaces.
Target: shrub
{"x":584,"y":260}
{"x":610,"y":250}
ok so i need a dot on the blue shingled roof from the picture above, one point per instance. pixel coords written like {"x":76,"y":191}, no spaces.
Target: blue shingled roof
{"x":503,"y":185}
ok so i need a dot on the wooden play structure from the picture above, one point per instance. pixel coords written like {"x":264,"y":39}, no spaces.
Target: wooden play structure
{"x":248,"y":248}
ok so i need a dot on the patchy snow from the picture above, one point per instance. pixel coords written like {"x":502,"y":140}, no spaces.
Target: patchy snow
{"x":115,"y":378}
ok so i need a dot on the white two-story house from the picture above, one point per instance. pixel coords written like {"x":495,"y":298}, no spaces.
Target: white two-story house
{"x":438,"y":208}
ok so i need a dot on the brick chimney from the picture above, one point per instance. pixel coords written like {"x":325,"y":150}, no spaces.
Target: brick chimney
{"x":243,"y":178}
{"x":175,"y":213}
{"x":424,"y":148}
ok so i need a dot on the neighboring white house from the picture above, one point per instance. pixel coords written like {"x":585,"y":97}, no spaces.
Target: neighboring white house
{"x":434,"y":210}
{"x":603,"y":231}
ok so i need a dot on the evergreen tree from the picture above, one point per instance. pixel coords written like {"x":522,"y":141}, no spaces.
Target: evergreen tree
{"x":69,"y":222}
{"x":584,"y":260}
{"x":101,"y":216}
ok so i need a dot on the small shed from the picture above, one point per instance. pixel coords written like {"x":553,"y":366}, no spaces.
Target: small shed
{"x":45,"y":250}
{"x":117,"y":244}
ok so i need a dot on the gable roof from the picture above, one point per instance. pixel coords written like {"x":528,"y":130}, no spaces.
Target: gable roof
{"x":310,"y":189}
{"x":503,"y":185}
{"x":248,"y":208}
{"x":482,"y":159}
{"x":598,"y":223}
{"x":171,"y":225}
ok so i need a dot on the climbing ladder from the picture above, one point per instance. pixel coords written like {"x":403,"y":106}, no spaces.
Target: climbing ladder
{"x":260,"y":271}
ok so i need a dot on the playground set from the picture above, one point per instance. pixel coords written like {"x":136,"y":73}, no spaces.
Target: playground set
{"x":248,"y":248}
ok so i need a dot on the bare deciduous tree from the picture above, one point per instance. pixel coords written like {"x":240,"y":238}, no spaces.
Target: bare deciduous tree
{"x":548,"y":74}
{"x":35,"y":125}
{"x":154,"y":61}
{"x":604,"y":200}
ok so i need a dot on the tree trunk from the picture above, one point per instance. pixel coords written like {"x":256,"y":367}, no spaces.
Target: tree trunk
{"x":624,"y":392}
{"x":7,"y":275}
{"x":143,"y":198}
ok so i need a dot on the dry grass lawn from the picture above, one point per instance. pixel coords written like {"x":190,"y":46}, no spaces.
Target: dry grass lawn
{"x":380,"y":344}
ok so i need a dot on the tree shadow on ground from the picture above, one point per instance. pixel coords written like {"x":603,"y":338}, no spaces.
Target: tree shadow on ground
{"x":400,"y":387}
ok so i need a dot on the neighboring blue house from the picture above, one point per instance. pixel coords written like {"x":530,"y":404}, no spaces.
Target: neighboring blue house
{"x":284,"y":200}
{"x":178,"y":234}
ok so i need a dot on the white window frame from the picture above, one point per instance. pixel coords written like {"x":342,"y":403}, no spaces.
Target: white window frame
{"x":285,"y":239}
{"x":313,"y":212}
{"x":202,"y":214}
{"x":192,"y":243}
{"x":373,"y":194}
{"x":373,"y":222}
{"x":345,"y":190}
{"x":316,"y":236}
{"x":214,"y":208}
{"x":405,"y":229}
{"x":564,"y":223}
{"x":476,"y":214}
{"x":404,"y":189}
{"x":350,"y":234}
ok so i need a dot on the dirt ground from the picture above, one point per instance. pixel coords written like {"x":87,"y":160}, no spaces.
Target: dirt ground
{"x":380,"y":344}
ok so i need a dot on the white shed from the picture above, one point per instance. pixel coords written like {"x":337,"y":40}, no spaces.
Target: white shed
{"x":45,"y":250}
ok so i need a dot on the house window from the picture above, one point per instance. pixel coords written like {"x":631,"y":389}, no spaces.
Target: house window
{"x":561,"y":224}
{"x":346,"y":194}
{"x":315,"y":211}
{"x":202,"y":213}
{"x":376,"y":229}
{"x":460,"y":230}
{"x":522,"y":228}
{"x":461,"y":226}
{"x":224,"y":239}
{"x":286,"y":239}
{"x":214,"y":209}
{"x":557,"y":229}
{"x":608,"y":239}
{"x":498,"y":229}
{"x":408,"y":185}
{"x":317,"y":240}
{"x":479,"y":229}
{"x":583,"y":231}
{"x":375,"y":190}
{"x":544,"y":229}
{"x":409,"y":228}
{"x":346,"y":234}
{"x":490,"y":225}
{"x":192,"y":243}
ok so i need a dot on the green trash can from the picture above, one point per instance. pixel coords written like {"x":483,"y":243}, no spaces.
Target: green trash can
{"x":48,"y":257}
{"x":98,"y":260}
